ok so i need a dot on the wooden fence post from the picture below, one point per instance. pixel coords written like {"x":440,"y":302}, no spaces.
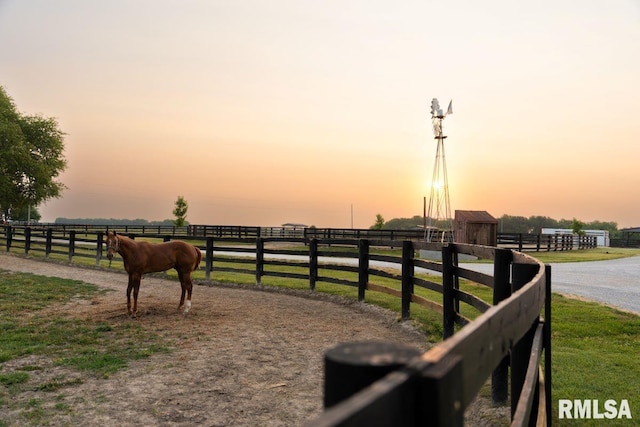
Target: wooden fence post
{"x":48,"y":242}
{"x":547,"y":344}
{"x":501,"y":291}
{"x":407,"y":277}
{"x":72,"y":244}
{"x":313,"y":263}
{"x":441,"y":394}
{"x":208,"y":257}
{"x":27,"y":240}
{"x":259,"y":259}
{"x":9,"y":232}
{"x":363,"y":267}
{"x":521,"y":351}
{"x":99,"y":240}
{"x":448,"y":305}
{"x":352,"y":366}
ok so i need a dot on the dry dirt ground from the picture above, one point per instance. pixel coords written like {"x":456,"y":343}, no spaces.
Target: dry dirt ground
{"x":242,"y":357}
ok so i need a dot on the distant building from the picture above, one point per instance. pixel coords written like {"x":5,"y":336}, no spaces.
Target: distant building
{"x":475,"y":227}
{"x":292,"y":229}
{"x":602,"y":236}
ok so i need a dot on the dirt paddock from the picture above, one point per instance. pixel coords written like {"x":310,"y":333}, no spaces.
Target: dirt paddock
{"x":241,"y":357}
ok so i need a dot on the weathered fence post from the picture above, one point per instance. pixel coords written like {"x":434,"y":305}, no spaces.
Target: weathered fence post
{"x":72,"y":244}
{"x":352,"y":366}
{"x":501,"y":291}
{"x":48,"y":242}
{"x":442,"y":392}
{"x":99,"y":240}
{"x":407,"y":277}
{"x":27,"y":240}
{"x":313,"y":263}
{"x":9,"y":232}
{"x":259,"y":259}
{"x":448,"y":304}
{"x":547,"y":343}
{"x":208,"y":257}
{"x":521,"y":351}
{"x":363,"y":267}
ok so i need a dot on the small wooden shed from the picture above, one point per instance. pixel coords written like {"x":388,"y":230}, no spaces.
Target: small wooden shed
{"x":476,"y":227}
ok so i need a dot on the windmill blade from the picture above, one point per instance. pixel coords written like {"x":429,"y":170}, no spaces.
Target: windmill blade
{"x":450,"y":108}
{"x":435,"y":106}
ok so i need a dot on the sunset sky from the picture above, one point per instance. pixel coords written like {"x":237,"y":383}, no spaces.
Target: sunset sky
{"x":266,"y":112}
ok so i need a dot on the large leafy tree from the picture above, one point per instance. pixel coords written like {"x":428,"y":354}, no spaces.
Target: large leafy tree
{"x":31,"y":158}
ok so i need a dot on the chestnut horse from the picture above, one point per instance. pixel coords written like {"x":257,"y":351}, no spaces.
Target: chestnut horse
{"x":144,"y":257}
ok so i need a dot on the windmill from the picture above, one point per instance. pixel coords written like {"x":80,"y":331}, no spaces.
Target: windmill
{"x":439,"y":226}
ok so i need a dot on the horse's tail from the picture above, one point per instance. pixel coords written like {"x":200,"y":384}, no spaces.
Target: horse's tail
{"x":198,"y":258}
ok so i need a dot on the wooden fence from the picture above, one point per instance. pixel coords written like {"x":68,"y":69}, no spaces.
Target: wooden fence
{"x":546,"y":242}
{"x":435,"y":387}
{"x":522,"y":242}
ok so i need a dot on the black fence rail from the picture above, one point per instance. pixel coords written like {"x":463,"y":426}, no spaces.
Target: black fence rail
{"x":546,"y":242}
{"x":522,"y":242}
{"x":626,"y":242}
{"x":434,"y":387}
{"x":355,"y":233}
{"x":87,"y":229}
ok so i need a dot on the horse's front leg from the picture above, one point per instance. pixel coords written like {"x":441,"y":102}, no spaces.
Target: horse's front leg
{"x":136,"y":289}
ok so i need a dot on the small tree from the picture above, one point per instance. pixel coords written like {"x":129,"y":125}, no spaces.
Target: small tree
{"x":577,"y":227}
{"x":180,"y":211}
{"x":379,"y":222}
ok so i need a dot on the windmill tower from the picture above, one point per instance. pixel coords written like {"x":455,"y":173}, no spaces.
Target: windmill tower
{"x":439,"y":222}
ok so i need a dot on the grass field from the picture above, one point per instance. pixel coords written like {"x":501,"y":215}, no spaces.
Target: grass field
{"x":30,"y":328}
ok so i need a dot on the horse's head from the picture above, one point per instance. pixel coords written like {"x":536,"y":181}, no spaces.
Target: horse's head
{"x":113,"y":244}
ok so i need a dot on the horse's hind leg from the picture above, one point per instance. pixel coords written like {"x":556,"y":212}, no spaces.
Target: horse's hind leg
{"x":187,"y":287}
{"x":129,"y":288}
{"x":136,"y":289}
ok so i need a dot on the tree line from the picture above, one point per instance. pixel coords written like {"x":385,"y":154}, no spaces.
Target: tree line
{"x":112,"y":221}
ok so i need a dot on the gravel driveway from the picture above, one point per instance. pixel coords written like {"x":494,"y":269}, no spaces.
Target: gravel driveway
{"x":614,"y":282}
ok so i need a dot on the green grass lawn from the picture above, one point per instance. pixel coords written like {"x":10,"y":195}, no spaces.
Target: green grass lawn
{"x":29,"y":329}
{"x":595,"y":356}
{"x":583,"y":255}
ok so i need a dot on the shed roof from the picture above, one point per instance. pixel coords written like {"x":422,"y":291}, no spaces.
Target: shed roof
{"x":631,"y":230}
{"x":295,"y":225}
{"x":475,"y":216}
